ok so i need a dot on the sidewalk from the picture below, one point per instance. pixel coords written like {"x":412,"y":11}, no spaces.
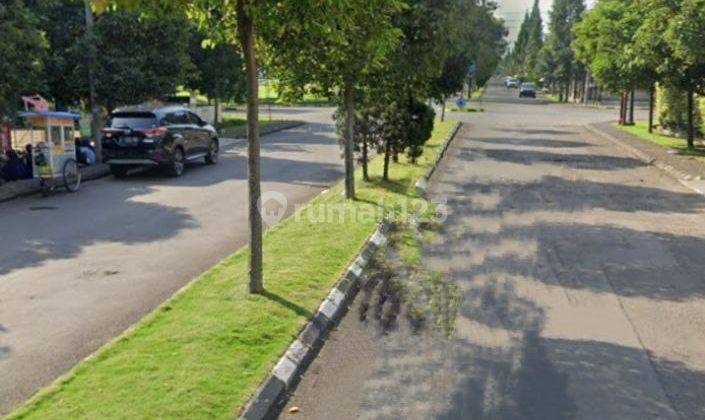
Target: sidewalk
{"x":14,"y":189}
{"x":682,"y":167}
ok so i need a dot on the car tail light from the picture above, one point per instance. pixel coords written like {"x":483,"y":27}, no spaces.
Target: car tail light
{"x":109,"y":132}
{"x":154,"y":132}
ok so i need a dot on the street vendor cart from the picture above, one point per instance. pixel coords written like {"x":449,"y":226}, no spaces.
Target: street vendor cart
{"x":51,"y":137}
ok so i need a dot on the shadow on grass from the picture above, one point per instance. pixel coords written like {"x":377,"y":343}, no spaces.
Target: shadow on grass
{"x":299,"y":310}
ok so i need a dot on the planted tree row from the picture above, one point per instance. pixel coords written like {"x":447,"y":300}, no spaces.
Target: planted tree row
{"x":379,"y":60}
{"x":637,"y":44}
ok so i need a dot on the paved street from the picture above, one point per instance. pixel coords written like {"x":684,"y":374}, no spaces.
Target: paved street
{"x":76,"y":270}
{"x":580,"y":271}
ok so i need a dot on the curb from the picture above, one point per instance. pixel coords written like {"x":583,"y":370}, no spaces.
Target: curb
{"x":649,"y":160}
{"x":269,"y":397}
{"x":422,"y":184}
{"x":266,"y":131}
{"x":692,"y":182}
{"x":15,"y":189}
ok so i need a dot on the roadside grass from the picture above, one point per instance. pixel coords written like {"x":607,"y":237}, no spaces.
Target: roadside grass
{"x":679,"y":145}
{"x":478,"y":94}
{"x":237,"y":127}
{"x":203,"y":352}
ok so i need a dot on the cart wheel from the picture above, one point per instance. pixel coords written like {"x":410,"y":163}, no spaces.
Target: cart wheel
{"x":72,"y":175}
{"x":45,"y":187}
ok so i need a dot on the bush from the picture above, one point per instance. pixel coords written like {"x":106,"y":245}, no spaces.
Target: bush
{"x":672,"y":109}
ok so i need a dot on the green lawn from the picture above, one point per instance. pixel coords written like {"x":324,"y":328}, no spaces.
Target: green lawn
{"x":478,"y":94}
{"x":204,"y":352}
{"x":237,"y":127}
{"x":641,"y":130}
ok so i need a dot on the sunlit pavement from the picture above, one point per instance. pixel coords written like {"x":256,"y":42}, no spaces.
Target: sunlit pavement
{"x":78,"y":269}
{"x":583,"y":295}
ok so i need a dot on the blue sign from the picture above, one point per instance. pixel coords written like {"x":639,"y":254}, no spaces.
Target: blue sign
{"x":461,"y":102}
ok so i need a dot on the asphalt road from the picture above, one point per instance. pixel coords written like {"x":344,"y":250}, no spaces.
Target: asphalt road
{"x":78,"y":269}
{"x":580,"y":274}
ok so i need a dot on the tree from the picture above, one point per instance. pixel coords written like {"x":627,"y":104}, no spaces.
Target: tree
{"x":668,"y":39}
{"x":368,"y":132}
{"x":128,"y":75}
{"x":564,"y":68}
{"x":523,"y":58}
{"x":451,"y":79}
{"x":604,"y":42}
{"x":65,"y":85}
{"x":685,"y":36}
{"x":332,"y":44}
{"x":219,"y":70}
{"x":21,"y":50}
{"x":486,"y":40}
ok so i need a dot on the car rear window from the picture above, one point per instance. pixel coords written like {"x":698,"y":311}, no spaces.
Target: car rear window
{"x":133,"y":120}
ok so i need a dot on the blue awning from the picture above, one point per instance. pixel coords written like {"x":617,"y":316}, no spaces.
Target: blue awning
{"x":51,"y":114}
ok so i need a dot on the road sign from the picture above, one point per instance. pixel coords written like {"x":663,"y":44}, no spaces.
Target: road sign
{"x":461,"y":102}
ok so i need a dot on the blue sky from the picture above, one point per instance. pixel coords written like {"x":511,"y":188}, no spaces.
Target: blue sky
{"x":512,"y":11}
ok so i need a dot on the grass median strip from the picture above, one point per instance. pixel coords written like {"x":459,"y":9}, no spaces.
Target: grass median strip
{"x":237,"y":127}
{"x":204,"y":352}
{"x":679,"y":145}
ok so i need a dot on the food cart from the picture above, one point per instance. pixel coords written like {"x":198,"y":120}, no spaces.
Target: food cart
{"x":51,"y":137}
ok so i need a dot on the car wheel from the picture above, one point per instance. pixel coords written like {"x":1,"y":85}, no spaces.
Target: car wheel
{"x":213,"y":149}
{"x":176,"y":168}
{"x":118,"y":171}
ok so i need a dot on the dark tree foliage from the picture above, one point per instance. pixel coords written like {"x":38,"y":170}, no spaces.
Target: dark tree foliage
{"x":416,"y":127}
{"x":219,"y":70}
{"x":63,"y":25}
{"x":127,"y":74}
{"x":557,"y":50}
{"x":524,"y":57}
{"x":21,"y":52}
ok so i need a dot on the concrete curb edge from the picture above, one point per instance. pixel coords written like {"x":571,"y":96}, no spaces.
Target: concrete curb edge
{"x":266,"y":131}
{"x":267,"y":400}
{"x":649,"y":160}
{"x":422,"y":184}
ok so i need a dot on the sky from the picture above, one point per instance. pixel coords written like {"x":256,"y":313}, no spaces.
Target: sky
{"x":512,"y":11}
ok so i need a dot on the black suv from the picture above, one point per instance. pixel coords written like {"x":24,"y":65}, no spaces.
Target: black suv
{"x":166,"y":136}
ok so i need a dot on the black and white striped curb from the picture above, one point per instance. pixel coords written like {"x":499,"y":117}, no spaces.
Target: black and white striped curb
{"x":422,"y":184}
{"x":269,"y":397}
{"x":690,"y":181}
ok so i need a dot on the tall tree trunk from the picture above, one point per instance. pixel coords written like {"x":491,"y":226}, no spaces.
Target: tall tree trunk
{"x":691,"y":119}
{"x":246,"y":32}
{"x":652,"y":91}
{"x":387,"y":153}
{"x":216,"y":114}
{"x":622,"y":108}
{"x":216,"y":75}
{"x":586,"y":88}
{"x":365,"y":175}
{"x":349,"y":98}
{"x":631,"y":107}
{"x":443,"y":109}
{"x":96,"y":123}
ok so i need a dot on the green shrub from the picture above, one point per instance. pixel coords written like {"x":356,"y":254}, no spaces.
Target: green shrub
{"x":672,"y":110}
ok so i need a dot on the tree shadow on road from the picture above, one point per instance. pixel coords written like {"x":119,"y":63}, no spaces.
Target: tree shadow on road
{"x":531,"y":142}
{"x":552,"y":193}
{"x":533,"y":157}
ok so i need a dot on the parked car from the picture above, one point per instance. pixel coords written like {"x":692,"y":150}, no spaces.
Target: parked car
{"x":167,"y":136}
{"x":511,"y":83}
{"x":527,"y":90}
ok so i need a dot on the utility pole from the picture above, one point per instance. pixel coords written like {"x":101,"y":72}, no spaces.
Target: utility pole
{"x":96,"y":124}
